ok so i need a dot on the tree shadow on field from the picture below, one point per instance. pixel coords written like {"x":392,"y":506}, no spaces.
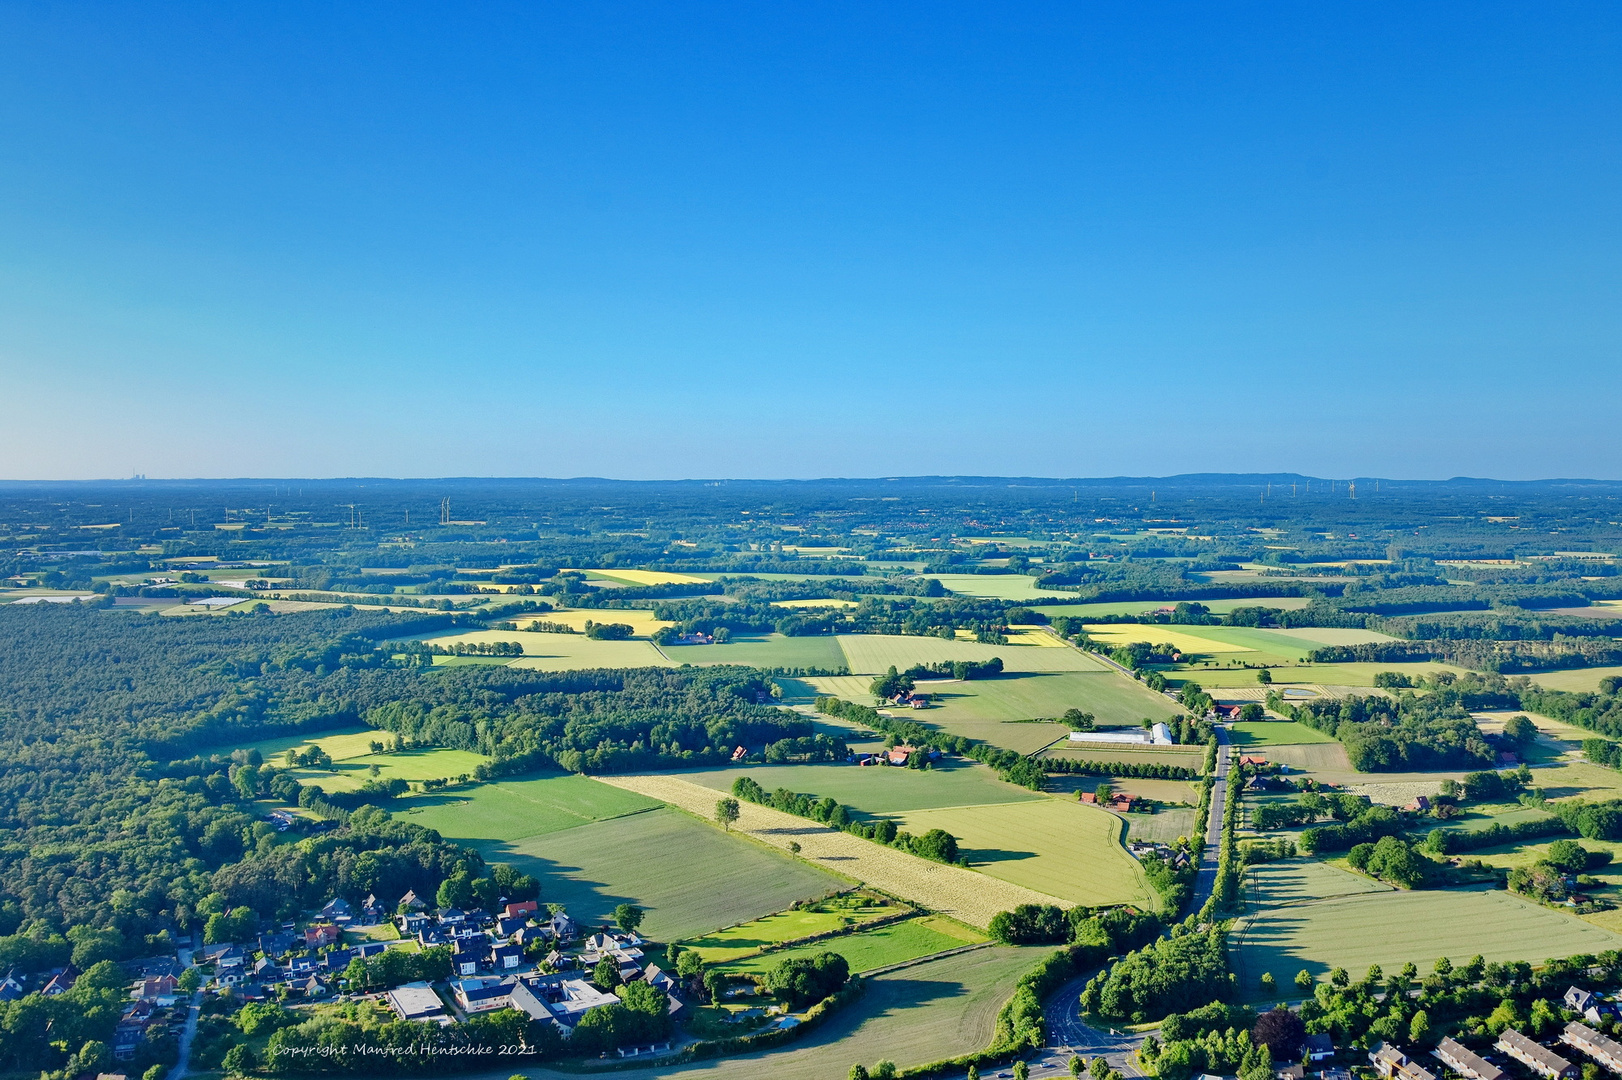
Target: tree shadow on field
{"x":980,"y":856}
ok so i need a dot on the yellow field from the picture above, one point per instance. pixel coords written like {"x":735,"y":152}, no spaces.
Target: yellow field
{"x":1126,"y":633}
{"x":950,"y":890}
{"x":1035,"y":637}
{"x":641,"y":622}
{"x":1054,"y":845}
{"x":647,"y":577}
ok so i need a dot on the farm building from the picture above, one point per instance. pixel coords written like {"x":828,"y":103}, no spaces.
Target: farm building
{"x":1159,"y":735}
{"x":1467,"y":1063}
{"x":417,"y":1001}
{"x":1540,"y":1059}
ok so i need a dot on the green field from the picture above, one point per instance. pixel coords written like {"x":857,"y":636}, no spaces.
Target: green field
{"x":773,"y":650}
{"x":691,"y":877}
{"x":830,"y":915}
{"x":996,"y":586}
{"x":1314,"y":917}
{"x":1191,"y":757}
{"x":352,"y":759}
{"x":1111,"y":697}
{"x":874,"y":654}
{"x":1578,"y":680}
{"x":350,"y":742}
{"x":1165,"y":826}
{"x":934,"y":1010}
{"x":878,"y":789}
{"x":869,"y":949}
{"x":1055,"y":845}
{"x":1144,"y":607}
{"x":1275,"y":733}
{"x":514,"y":809}
{"x":1354,"y":674}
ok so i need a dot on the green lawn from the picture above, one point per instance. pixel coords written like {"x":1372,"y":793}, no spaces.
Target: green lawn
{"x":935,"y":1010}
{"x":877,"y":790}
{"x":514,"y":809}
{"x":1314,"y":917}
{"x":1056,"y":845}
{"x":1275,"y":733}
{"x":1111,"y":697}
{"x":874,"y":654}
{"x":352,"y":759}
{"x":869,"y":949}
{"x":772,"y":650}
{"x":691,"y":877}
{"x":830,"y":915}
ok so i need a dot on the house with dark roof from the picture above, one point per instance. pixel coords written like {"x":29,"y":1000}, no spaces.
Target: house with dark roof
{"x":1467,"y":1063}
{"x":1319,"y":1047}
{"x":1540,"y":1059}
{"x":1605,"y":1050}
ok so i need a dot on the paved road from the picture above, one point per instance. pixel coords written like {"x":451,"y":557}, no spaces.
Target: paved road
{"x":1205,"y":881}
{"x":179,"y":1071}
{"x":1067,"y":1035}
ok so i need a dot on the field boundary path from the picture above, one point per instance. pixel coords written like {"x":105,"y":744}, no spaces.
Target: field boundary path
{"x":1206,"y":879}
{"x":949,"y":890}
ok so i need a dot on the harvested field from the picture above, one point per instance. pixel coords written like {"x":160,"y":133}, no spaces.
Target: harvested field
{"x":1577,"y":680}
{"x":648,"y":577}
{"x":641,"y":622}
{"x":966,"y":896}
{"x":919,"y":1014}
{"x":1057,"y":846}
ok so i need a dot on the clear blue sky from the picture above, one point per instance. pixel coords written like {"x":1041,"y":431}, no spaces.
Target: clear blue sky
{"x":672,"y":240}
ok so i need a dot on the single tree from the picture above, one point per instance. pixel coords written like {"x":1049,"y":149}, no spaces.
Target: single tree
{"x":1269,"y":984}
{"x":1265,"y":677}
{"x":726,"y":812}
{"x":606,"y":975}
{"x":628,"y":917}
{"x":1076,"y":1065}
{"x":1022,"y":1071}
{"x":858,"y":1072}
{"x":1303,"y":981}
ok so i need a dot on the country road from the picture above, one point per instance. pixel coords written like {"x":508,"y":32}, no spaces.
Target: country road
{"x":1206,"y":879}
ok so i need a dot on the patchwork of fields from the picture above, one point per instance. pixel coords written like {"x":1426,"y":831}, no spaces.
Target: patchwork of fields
{"x":874,"y":654}
{"x":870,"y":949}
{"x":877,"y":790}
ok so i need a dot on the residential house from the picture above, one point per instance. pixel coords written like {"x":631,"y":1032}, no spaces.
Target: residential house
{"x":1393,"y":1064}
{"x":521,"y":909}
{"x":411,"y":902}
{"x":506,"y":958}
{"x":132,"y":1028}
{"x":452,"y":917}
{"x":11,"y":987}
{"x":371,"y":910}
{"x":277,"y":944}
{"x":898,"y":755}
{"x":1420,"y":805}
{"x":417,"y":1001}
{"x":1467,"y":1063}
{"x":656,"y":978}
{"x":1605,"y":1050}
{"x":482,"y":994}
{"x":321,"y":935}
{"x":336,"y":960}
{"x":313,"y":987}
{"x":1297,"y":1071}
{"x":337,"y":911}
{"x":507,"y":927}
{"x":563,"y":928}
{"x":429,"y":936}
{"x":411,"y":923}
{"x":1253,"y":760}
{"x":1319,"y":1047}
{"x":1539,"y":1059}
{"x":1592,"y":1007}
{"x":60,"y":982}
{"x":467,"y":961}
{"x":1335,"y":1073}
{"x":264,"y":970}
{"x":740,"y":753}
{"x":159,"y":989}
{"x":281,"y":820}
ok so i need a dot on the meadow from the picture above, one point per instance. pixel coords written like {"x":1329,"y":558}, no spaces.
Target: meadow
{"x":1356,"y":675}
{"x":1322,"y":918}
{"x":1109,"y":696}
{"x":866,"y":950}
{"x":874,"y":654}
{"x":877,"y":789}
{"x":514,"y":809}
{"x":564,"y":652}
{"x":1577,"y":680}
{"x":838,"y":913}
{"x":1248,"y":733}
{"x":767,"y":651}
{"x":996,"y":586}
{"x":352,"y":759}
{"x":1145,"y":607}
{"x":689,"y":876}
{"x":942,"y":1008}
{"x":1191,"y":757}
{"x":1054,"y":845}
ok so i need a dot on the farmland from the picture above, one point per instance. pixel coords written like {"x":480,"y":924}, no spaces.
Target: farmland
{"x":831,"y":915}
{"x":873,"y":654}
{"x":878,"y":790}
{"x":1144,"y":607}
{"x":691,"y":877}
{"x":869,"y":949}
{"x":1055,"y":845}
{"x":996,"y":586}
{"x":1191,"y":757}
{"x":353,"y":760}
{"x":514,"y":809}
{"x":938,"y":1009}
{"x":562,"y":652}
{"x":1358,"y":675}
{"x":1321,"y":918}
{"x":969,"y":897}
{"x":1247,"y":733}
{"x":768,"y":651}
{"x":1109,"y":696}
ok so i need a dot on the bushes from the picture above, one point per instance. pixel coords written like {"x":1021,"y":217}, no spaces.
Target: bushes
{"x":1366,"y":828}
{"x":803,"y":980}
{"x":936,"y":844}
{"x":1453,"y":841}
{"x":1031,"y":924}
{"x":1147,"y":770}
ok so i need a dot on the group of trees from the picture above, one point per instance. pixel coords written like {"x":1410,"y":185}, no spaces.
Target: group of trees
{"x":936,"y":844}
{"x":1406,"y":733}
{"x":1171,"y":974}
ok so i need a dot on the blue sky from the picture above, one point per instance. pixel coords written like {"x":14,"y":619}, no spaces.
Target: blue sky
{"x":809,"y":240}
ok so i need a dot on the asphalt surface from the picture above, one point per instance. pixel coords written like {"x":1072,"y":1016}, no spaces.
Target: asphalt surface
{"x":179,"y":1071}
{"x":1205,"y":880}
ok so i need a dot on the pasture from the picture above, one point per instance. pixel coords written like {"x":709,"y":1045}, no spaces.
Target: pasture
{"x":838,"y":913}
{"x":1321,"y":918}
{"x":1577,"y":680}
{"x":641,"y":622}
{"x":514,"y":809}
{"x":874,"y":654}
{"x":352,"y":759}
{"x":692,"y":878}
{"x":646,"y":577}
{"x":1109,"y":696}
{"x":877,"y":789}
{"x":563,"y":652}
{"x":1054,"y":845}
{"x":866,"y":950}
{"x":938,"y":1009}
{"x":767,"y":651}
{"x":1191,"y":757}
{"x":1248,"y":733}
{"x":1356,"y":675}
